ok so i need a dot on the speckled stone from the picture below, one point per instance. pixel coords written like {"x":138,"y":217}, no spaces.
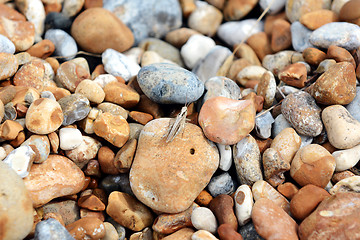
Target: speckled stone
{"x":167,"y":83}
{"x":75,"y":108}
{"x":222,"y":184}
{"x":51,"y":229}
{"x":65,"y":45}
{"x":9,"y":65}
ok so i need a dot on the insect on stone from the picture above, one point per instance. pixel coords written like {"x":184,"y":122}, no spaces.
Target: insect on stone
{"x":177,"y":125}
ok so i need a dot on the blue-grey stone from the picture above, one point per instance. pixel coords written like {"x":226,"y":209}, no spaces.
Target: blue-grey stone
{"x":300,"y":36}
{"x":221,"y":86}
{"x":354,"y":106}
{"x":150,"y":18}
{"x":119,"y":229}
{"x":305,"y":140}
{"x":47,"y":94}
{"x":222,"y":184}
{"x":167,"y":83}
{"x":235,"y":32}
{"x":263,"y":125}
{"x":119,"y":182}
{"x":65,"y":45}
{"x":248,"y":232}
{"x":208,"y":67}
{"x":274,"y":6}
{"x":342,"y":34}
{"x":6,"y":45}
{"x":280,"y":124}
{"x":55,"y":20}
{"x":75,"y":107}
{"x":51,"y":229}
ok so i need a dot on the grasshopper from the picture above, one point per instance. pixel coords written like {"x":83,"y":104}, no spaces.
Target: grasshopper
{"x":177,"y":125}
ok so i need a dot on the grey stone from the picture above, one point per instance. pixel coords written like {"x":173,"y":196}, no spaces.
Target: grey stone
{"x":222,"y":184}
{"x":300,"y":36}
{"x":275,"y":6}
{"x":6,"y":45}
{"x":119,"y":183}
{"x":51,"y":229}
{"x":248,"y":232}
{"x":167,"y":83}
{"x":354,"y":106}
{"x":68,"y":209}
{"x":65,"y":45}
{"x":119,"y":229}
{"x":75,"y":107}
{"x":221,"y":86}
{"x":150,"y":18}
{"x":342,"y":34}
{"x":276,"y":62}
{"x":263,"y":125}
{"x":47,"y":94}
{"x":280,"y":124}
{"x":305,"y":140}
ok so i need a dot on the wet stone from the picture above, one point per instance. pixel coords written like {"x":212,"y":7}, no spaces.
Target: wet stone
{"x":75,"y":108}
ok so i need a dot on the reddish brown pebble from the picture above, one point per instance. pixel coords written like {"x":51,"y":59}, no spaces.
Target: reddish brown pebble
{"x":280,"y":35}
{"x":340,"y":54}
{"x":147,"y":106}
{"x":263,"y":144}
{"x":93,"y":3}
{"x":226,"y":232}
{"x":91,"y":202}
{"x":269,"y":22}
{"x":87,"y":228}
{"x":313,"y":56}
{"x":10,"y":13}
{"x":338,"y":176}
{"x":257,"y":100}
{"x":315,"y":19}
{"x":223,"y":208}
{"x":349,"y":11}
{"x":42,"y":49}
{"x":125,"y":156}
{"x":140,"y":117}
{"x":260,"y":43}
{"x":288,"y":189}
{"x":294,"y":75}
{"x":106,"y":160}
{"x":119,"y":93}
{"x":204,"y":198}
{"x":179,"y":37}
{"x":236,"y":67}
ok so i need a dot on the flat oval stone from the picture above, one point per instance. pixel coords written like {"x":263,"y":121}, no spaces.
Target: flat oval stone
{"x":186,"y":164}
{"x":65,"y":45}
{"x":222,"y":184}
{"x":167,"y":83}
{"x":221,"y":86}
{"x":62,"y":178}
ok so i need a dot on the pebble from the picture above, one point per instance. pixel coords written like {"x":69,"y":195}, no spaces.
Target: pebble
{"x":91,"y":90}
{"x":6,"y":45}
{"x":86,"y":151}
{"x":182,"y":234}
{"x":223,"y":208}
{"x":195,"y":49}
{"x":119,"y":65}
{"x":70,"y":74}
{"x":151,"y":57}
{"x":203,"y":235}
{"x":263,"y":125}
{"x":267,"y":88}
{"x":70,"y":138}
{"x":275,"y":7}
{"x":203,"y":218}
{"x":42,"y":49}
{"x":75,"y":107}
{"x":247,"y":159}
{"x":110,"y":232}
{"x":314,"y":20}
{"x":166,"y":83}
{"x":236,"y":31}
{"x":222,"y":184}
{"x":144,"y":23}
{"x":294,"y":75}
{"x":67,"y":209}
{"x":104,"y":79}
{"x":349,"y":184}
{"x":312,"y":164}
{"x":287,"y":143}
{"x":314,"y":56}
{"x":121,"y":94}
{"x":225,"y":156}
{"x":274,"y":167}
{"x":243,"y":204}
{"x":87,"y":228}
{"x":221,"y":86}
{"x":296,"y":9}
{"x":51,"y":229}
{"x":128,"y":211}
{"x":112,"y":108}
{"x":57,"y":20}
{"x":341,"y":34}
{"x":180,"y":36}
{"x":337,"y":5}
{"x":72,"y":7}
{"x":125,"y":156}
{"x":16,"y":205}
{"x":248,"y":232}
{"x":9,"y":65}
{"x":20,"y":160}
{"x":346,"y":159}
{"x":280,"y":35}
{"x":65,"y":45}
{"x":288,"y":189}
{"x":44,"y":188}
{"x":276,"y":62}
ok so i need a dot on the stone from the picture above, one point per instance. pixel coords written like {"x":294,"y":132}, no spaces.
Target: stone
{"x":65,"y":45}
{"x":20,"y":160}
{"x":205,"y":19}
{"x":314,"y":20}
{"x":87,"y":228}
{"x":119,"y":64}
{"x":260,"y":43}
{"x":68,"y":210}
{"x":325,"y":65}
{"x":221,"y":86}
{"x":40,"y":145}
{"x":151,"y":57}
{"x":6,"y":45}
{"x":337,"y":85}
{"x":180,"y":36}
{"x":163,"y":17}
{"x":340,"y":54}
{"x":341,"y":34}
{"x":312,"y":164}
{"x":349,"y":184}
{"x":287,"y":143}
{"x":182,"y":234}
{"x":263,"y":125}
{"x":10,"y":129}
{"x":247,"y":159}
{"x":104,"y":79}
{"x":86,"y":151}
{"x":110,"y":232}
{"x":121,"y":94}
{"x":223,"y":208}
{"x":11,"y":13}
{"x":112,"y":108}
{"x":342,"y":129}
{"x":248,"y":231}
{"x":227,"y":121}
{"x":167,"y":83}
{"x":91,"y":90}
{"x":335,"y":217}
{"x":236,"y":31}
{"x":70,"y":74}
{"x":267,"y":88}
{"x":51,"y":229}
{"x":203,"y":235}
{"x":125,"y":156}
{"x":204,"y":198}
{"x":222,"y":184}
{"x":244,"y":202}
{"x":195,"y":49}
{"x":9,"y":65}
{"x":246,"y":52}
{"x":57,"y":20}
{"x":296,"y":9}
{"x":44,"y":116}
{"x":280,"y":35}
{"x":165,"y":164}
{"x":128,"y":211}
{"x":91,"y":202}
{"x":75,"y":107}
{"x":226,"y":232}
{"x":235,"y":10}
{"x":57,"y":168}
{"x":203,"y":218}
{"x":272,"y":222}
{"x":313,"y":56}
{"x":71,"y":8}
{"x":301,"y":111}
{"x":346,"y":159}
{"x":274,"y":167}
{"x":140,"y":117}
{"x":114,"y":129}
{"x":70,"y":138}
{"x":288,"y":189}
{"x":275,"y":7}
{"x":276,"y":62}
{"x":338,"y":176}
{"x":16,"y":214}
{"x":225,"y":156}
{"x":294,"y":75}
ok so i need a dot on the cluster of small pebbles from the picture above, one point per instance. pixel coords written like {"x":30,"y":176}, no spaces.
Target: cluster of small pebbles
{"x":179,"y":119}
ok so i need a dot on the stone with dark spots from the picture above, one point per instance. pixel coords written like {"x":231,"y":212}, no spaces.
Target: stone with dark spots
{"x":75,"y":108}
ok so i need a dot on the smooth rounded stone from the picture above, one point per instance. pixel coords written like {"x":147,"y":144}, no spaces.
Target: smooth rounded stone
{"x":164,"y":16}
{"x":208,"y":67}
{"x":40,"y":145}
{"x":47,"y":94}
{"x":151,"y":57}
{"x":276,"y":62}
{"x":295,"y":9}
{"x":337,"y":85}
{"x":51,"y":229}
{"x":262,"y":189}
{"x":223,"y":208}
{"x":104,"y":79}
{"x":300,"y":36}
{"x":203,"y":218}
{"x":247,"y":159}
{"x":9,"y":65}
{"x":6,"y":45}
{"x":301,"y":111}
{"x":135,"y":130}
{"x":263,"y":125}
{"x":337,"y":5}
{"x":249,"y":73}
{"x":203,"y":235}
{"x":222,"y":184}
{"x":221,"y":86}
{"x":312,"y":164}
{"x":272,"y":222}
{"x":169,"y":166}
{"x":350,"y":184}
{"x":349,"y":12}
{"x":128,"y":211}
{"x":346,"y":159}
{"x":119,"y":182}
{"x":287,"y":143}
{"x":325,"y":65}
{"x":182,"y":234}
{"x":87,"y":228}
{"x":111,"y":233}
{"x":121,"y":231}
{"x":20,"y":160}
{"x":112,"y":108}
{"x":70,"y":138}
{"x":235,"y":10}
{"x":341,"y":34}
{"x":86,"y":151}
{"x":275,"y":7}
{"x":244,"y":202}
{"x":65,"y":45}
{"x":121,"y":94}
{"x":354,"y":106}
{"x":248,"y":232}
{"x":45,"y":187}
{"x":195,"y":49}
{"x":205,"y":19}
{"x":318,"y":18}
{"x":119,"y":64}
{"x":274,"y":167}
{"x":35,"y":13}
{"x":167,"y":83}
{"x":225,"y":156}
{"x":57,"y":20}
{"x":44,"y":116}
{"x":71,"y":8}
{"x":16,"y":213}
{"x":267,"y":88}
{"x":342,"y":129}
{"x":341,"y":209}
{"x":75,"y":107}
{"x":91,"y":90}
{"x":235,"y":32}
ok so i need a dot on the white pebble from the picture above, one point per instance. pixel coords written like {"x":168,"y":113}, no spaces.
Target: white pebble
{"x":203,"y":235}
{"x":346,"y":159}
{"x":203,"y":218}
{"x":225,"y":156}
{"x":21,"y":159}
{"x":104,"y":79}
{"x":195,"y":49}
{"x":6,"y":45}
{"x":70,"y":138}
{"x":65,"y":45}
{"x":243,"y":204}
{"x":275,"y":6}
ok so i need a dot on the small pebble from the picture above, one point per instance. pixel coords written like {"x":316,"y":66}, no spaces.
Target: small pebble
{"x":223,"y":208}
{"x":6,"y":45}
{"x":51,"y":229}
{"x":263,"y":125}
{"x":243,"y":204}
{"x":65,"y":45}
{"x":202,"y":218}
{"x":75,"y":107}
{"x":70,"y":138}
{"x":225,"y":156}
{"x":222,"y":184}
{"x":300,"y":37}
{"x":40,"y":145}
{"x":350,"y":184}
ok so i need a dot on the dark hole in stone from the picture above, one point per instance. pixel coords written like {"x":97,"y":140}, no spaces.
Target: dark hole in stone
{"x":192,"y":151}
